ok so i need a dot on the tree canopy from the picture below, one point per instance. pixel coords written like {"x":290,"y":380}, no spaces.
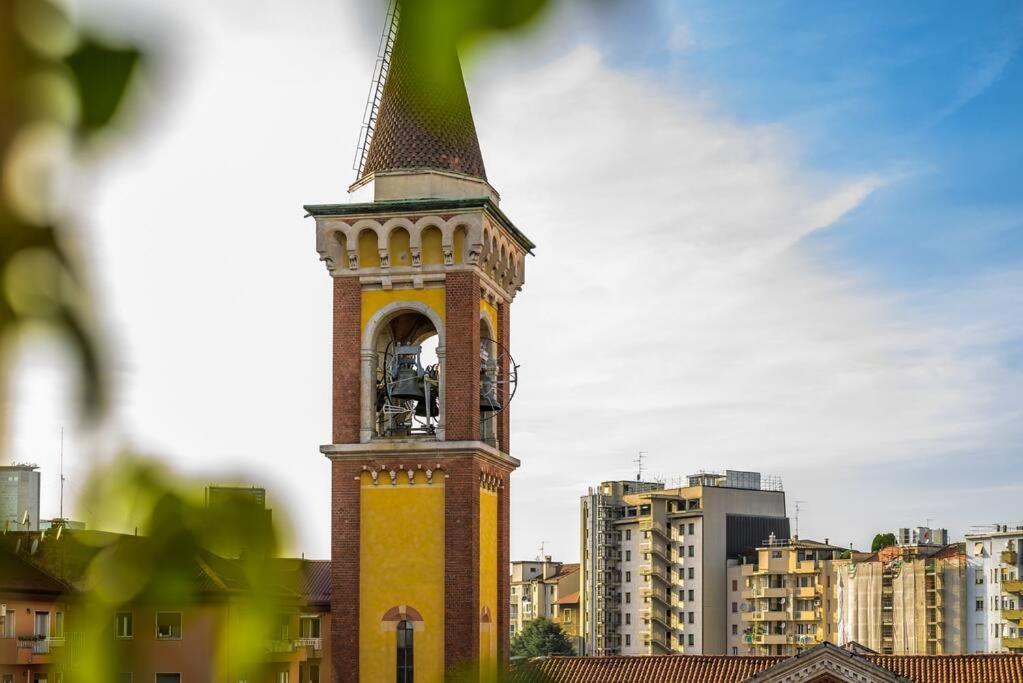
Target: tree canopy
{"x":882,"y":541}
{"x":539,"y":638}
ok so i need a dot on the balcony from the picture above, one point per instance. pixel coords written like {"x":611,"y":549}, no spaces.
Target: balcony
{"x":764,"y":615}
{"x":1015,"y":586}
{"x":1010,"y":557}
{"x":315,"y":644}
{"x":656,"y":572}
{"x":765,"y":592}
{"x":807,"y":615}
{"x":770,"y":639}
{"x":656,"y":527}
{"x":279,"y":646}
{"x":807,"y":567}
{"x":1013,"y":643}
{"x":1013,"y":615}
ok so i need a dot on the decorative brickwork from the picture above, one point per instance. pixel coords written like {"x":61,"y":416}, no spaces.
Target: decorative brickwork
{"x":461,"y":563}
{"x":344,"y":570}
{"x":462,"y":356}
{"x":347,"y":342}
{"x":504,"y":417}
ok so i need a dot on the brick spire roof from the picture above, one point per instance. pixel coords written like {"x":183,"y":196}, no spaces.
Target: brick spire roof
{"x":424,"y":120}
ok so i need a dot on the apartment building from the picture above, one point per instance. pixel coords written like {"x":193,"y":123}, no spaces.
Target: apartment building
{"x":19,"y":497}
{"x":922,"y":535}
{"x":154,"y":638}
{"x":782,"y":599}
{"x":654,"y":560}
{"x":535,"y":588}
{"x":904,"y":600}
{"x":995,"y":590}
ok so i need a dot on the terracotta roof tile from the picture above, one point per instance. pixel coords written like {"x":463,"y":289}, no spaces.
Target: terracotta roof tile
{"x":570,"y":599}
{"x":954,"y":668}
{"x":647,"y":669}
{"x":424,"y":120}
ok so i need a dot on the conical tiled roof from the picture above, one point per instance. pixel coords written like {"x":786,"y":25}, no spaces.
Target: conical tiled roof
{"x":424,"y":120}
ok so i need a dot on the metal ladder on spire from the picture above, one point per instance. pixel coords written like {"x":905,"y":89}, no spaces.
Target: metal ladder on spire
{"x":376,"y":88}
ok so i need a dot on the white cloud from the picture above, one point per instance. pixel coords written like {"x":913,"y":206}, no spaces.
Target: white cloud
{"x":671,"y":306}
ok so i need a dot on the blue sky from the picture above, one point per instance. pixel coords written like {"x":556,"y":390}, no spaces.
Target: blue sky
{"x":928,"y":94}
{"x":802,"y":219}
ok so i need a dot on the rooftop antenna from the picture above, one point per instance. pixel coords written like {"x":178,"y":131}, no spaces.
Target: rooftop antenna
{"x":798,"y":504}
{"x":62,"y":473}
{"x":376,"y":88}
{"x":639,"y":465}
{"x":541,"y":555}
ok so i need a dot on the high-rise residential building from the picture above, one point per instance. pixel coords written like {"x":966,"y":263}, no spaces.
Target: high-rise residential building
{"x":654,"y":560}
{"x":544,"y":589}
{"x":424,"y":268}
{"x":783,"y":600}
{"x":995,"y":590}
{"x":904,"y":600}
{"x":19,"y":497}
{"x":922,"y":535}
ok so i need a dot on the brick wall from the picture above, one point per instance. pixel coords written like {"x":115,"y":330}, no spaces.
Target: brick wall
{"x":344,"y":571}
{"x":462,"y":356}
{"x":461,"y":563}
{"x":347,"y":343}
{"x":504,"y":417}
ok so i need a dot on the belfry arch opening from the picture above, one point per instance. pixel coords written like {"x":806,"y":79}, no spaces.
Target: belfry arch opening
{"x":407,"y":380}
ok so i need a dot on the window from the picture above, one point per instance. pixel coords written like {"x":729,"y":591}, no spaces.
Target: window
{"x":692,"y":595}
{"x":692,"y":573}
{"x":776,"y":554}
{"x":735,"y":584}
{"x":58,"y":625}
{"x":692,"y":616}
{"x":282,"y":676}
{"x":628,"y":577}
{"x":628,"y":556}
{"x":628,"y":534}
{"x":628,"y":617}
{"x":168,"y":678}
{"x":692,"y":528}
{"x":314,"y":673}
{"x":168,"y":627}
{"x":308,"y":627}
{"x":735,"y":607}
{"x":735,"y":651}
{"x":692,"y":640}
{"x":628,"y":640}
{"x":628,"y":598}
{"x":8,"y":631}
{"x":978,"y":578}
{"x":405,"y":651}
{"x":566,"y":616}
{"x":125,"y":625}
{"x":8,"y":678}
{"x":980,"y":605}
{"x":735,"y":629}
{"x":690,"y":550}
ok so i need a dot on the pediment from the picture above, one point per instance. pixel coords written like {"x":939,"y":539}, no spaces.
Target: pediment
{"x":827,"y":663}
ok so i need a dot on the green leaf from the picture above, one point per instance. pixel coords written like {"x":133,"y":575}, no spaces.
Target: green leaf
{"x":101,"y":73}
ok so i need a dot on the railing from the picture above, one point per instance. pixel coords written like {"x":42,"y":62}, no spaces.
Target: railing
{"x":1012,"y":614}
{"x":40,"y":645}
{"x":1013,"y":586}
{"x":650,"y":525}
{"x":279,"y":646}
{"x":314,"y":643}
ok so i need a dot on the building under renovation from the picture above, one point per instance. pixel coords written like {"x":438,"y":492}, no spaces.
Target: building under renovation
{"x":905,"y":600}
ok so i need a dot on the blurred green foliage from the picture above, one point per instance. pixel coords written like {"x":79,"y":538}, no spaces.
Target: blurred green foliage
{"x":61,"y":86}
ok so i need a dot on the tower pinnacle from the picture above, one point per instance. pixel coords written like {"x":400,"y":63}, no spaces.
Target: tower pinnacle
{"x":423,"y":118}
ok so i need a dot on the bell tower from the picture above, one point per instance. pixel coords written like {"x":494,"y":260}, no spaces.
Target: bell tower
{"x":424,"y":266}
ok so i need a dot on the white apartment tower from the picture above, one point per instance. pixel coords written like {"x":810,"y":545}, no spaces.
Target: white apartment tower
{"x":653,"y":560}
{"x":19,"y":497}
{"x":995,"y":590}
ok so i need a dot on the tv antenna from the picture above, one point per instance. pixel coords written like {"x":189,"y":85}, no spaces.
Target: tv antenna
{"x":639,"y":465}
{"x":62,"y":473}
{"x":798,"y":504}
{"x":541,"y":555}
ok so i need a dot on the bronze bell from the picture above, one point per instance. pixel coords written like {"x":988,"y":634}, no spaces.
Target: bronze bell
{"x":490,"y":402}
{"x":407,"y":386}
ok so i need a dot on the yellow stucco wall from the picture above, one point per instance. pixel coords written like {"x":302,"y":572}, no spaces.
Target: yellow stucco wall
{"x":432,"y":253}
{"x":488,"y":584}
{"x":374,"y":300}
{"x":401,"y":562}
{"x":490,"y":311}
